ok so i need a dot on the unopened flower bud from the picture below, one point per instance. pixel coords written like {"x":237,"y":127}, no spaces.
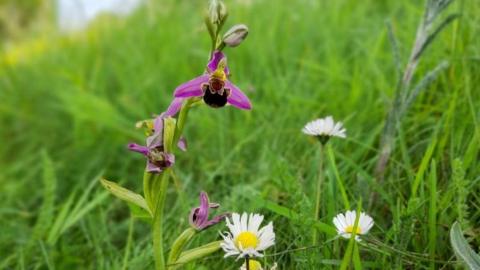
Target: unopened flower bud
{"x":217,"y":11}
{"x":235,"y":35}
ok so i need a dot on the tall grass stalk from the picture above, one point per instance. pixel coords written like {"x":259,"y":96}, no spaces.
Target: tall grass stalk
{"x":405,"y":95}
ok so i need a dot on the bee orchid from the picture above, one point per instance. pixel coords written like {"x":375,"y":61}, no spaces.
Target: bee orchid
{"x":157,"y":158}
{"x":214,"y":86}
{"x":199,"y":215}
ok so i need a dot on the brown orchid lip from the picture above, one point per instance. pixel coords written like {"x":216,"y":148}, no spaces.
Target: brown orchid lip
{"x":214,"y":93}
{"x":216,"y":85}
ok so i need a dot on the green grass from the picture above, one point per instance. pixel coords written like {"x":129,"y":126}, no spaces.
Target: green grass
{"x":67,"y":114}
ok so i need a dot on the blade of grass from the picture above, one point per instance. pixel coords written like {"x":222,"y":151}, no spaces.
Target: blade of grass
{"x":347,"y":258}
{"x":341,"y":186}
{"x":423,"y":167}
{"x":432,"y":214}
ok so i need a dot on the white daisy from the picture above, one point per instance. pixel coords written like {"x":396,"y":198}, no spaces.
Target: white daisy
{"x":256,"y":265}
{"x":245,"y":238}
{"x":345,"y":222}
{"x":325,"y":128}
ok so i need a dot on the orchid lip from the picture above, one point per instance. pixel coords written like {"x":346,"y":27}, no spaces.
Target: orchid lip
{"x":157,"y":159}
{"x":215,"y":98}
{"x":216,"y":81}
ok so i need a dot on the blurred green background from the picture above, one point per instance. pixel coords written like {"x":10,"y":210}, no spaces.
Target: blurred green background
{"x":69,"y":103}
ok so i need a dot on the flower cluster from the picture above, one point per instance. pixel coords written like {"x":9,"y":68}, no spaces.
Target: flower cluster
{"x":245,"y":238}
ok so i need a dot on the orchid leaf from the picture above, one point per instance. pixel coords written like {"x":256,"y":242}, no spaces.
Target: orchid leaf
{"x":197,"y":253}
{"x":125,"y":194}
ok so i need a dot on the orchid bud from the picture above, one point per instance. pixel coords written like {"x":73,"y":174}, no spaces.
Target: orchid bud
{"x":235,"y":35}
{"x":217,"y":11}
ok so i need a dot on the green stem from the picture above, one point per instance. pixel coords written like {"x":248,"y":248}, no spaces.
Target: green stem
{"x":247,"y":262}
{"x":158,"y":222}
{"x":320,"y":180}
{"x":148,"y":178}
{"x":182,"y":119}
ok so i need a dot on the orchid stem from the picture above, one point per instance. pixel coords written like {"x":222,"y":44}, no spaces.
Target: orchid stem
{"x":147,"y":180}
{"x":182,"y":118}
{"x":158,"y":221}
{"x":320,"y":180}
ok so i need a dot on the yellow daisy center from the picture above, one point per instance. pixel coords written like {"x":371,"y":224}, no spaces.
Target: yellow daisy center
{"x":254,"y":265}
{"x":349,"y":229}
{"x":246,"y":240}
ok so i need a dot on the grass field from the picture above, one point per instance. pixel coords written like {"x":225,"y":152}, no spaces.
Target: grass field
{"x":68,"y":106}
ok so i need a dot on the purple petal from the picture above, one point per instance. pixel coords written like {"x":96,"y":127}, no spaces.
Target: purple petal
{"x":152,"y":168}
{"x":237,"y":98}
{"x":202,"y":215}
{"x":158,"y":123}
{"x":192,"y":88}
{"x":192,"y":218}
{"x":138,"y":148}
{"x":213,"y":63}
{"x":214,"y":221}
{"x":182,"y":144}
{"x":155,"y":140}
{"x":174,"y":107}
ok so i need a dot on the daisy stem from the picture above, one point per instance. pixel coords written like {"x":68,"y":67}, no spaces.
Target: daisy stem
{"x":320,"y":180}
{"x":247,"y":262}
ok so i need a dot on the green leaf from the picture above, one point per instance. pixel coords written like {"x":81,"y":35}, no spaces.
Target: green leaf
{"x":197,"y":253}
{"x":125,"y":194}
{"x":180,"y":243}
{"x":423,"y":167}
{"x":462,"y":250}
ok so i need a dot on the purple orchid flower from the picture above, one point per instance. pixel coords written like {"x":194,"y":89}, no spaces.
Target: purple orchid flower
{"x":157,"y":158}
{"x":214,"y":87}
{"x":199,"y":215}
